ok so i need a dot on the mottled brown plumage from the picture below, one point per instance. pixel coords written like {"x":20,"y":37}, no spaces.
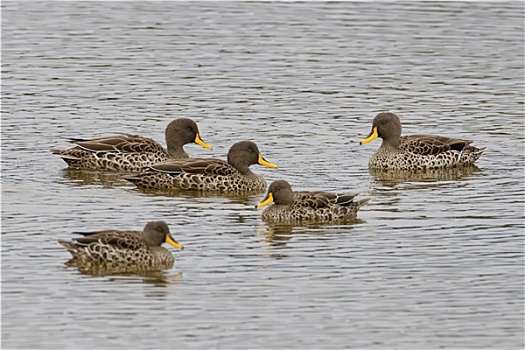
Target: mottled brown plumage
{"x":124,"y":247}
{"x":291,"y":207}
{"x":131,"y":152}
{"x":416,"y":151}
{"x":207,"y":174}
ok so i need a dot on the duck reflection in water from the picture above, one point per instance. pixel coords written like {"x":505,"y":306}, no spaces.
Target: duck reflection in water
{"x":394,"y":177}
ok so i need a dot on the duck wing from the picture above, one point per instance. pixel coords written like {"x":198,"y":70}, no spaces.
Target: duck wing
{"x":432,"y":144}
{"x":117,"y":239}
{"x":322,"y":199}
{"x":123,"y":143}
{"x":201,"y":166}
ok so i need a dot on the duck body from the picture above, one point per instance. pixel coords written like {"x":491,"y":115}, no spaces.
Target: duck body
{"x":115,"y":153}
{"x":416,"y":152}
{"x":207,"y":174}
{"x":124,"y":247}
{"x":127,"y":152}
{"x":425,"y":152}
{"x":291,"y":207}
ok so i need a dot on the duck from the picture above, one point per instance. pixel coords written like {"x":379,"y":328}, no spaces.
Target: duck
{"x":131,"y":153}
{"x":416,"y":152}
{"x":124,"y":247}
{"x":289,"y":207}
{"x":207,"y":174}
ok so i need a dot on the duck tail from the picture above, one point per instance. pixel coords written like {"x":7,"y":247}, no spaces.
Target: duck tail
{"x":472,"y":155}
{"x":70,"y":246}
{"x":362,"y":202}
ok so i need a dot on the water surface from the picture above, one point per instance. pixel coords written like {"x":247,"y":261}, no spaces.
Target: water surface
{"x":435,"y":260}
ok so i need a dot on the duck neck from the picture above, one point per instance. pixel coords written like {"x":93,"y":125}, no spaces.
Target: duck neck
{"x":244,"y":170}
{"x":391,"y":144}
{"x":177,"y":152}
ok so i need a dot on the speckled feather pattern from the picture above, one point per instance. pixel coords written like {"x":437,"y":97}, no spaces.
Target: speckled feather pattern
{"x":140,"y":153}
{"x":119,"y":247}
{"x":416,"y":152}
{"x":207,"y":174}
{"x":423,"y":152}
{"x":309,"y":207}
{"x":127,"y":152}
{"x":304,"y":210}
{"x":232,"y":182}
{"x":106,"y":253}
{"x":124,"y":247}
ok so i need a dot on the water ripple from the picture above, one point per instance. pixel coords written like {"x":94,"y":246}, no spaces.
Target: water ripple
{"x":435,"y":260}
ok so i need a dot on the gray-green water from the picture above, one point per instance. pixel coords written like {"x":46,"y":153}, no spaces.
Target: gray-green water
{"x":433,"y":263}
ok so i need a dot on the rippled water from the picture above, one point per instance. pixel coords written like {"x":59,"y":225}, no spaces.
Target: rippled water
{"x":436,"y":260}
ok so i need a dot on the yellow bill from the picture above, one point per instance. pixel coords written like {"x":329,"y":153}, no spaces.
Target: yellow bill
{"x":198,"y":141}
{"x":264,"y":162}
{"x":266,"y":201}
{"x":173,"y":242}
{"x":373,"y":135}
